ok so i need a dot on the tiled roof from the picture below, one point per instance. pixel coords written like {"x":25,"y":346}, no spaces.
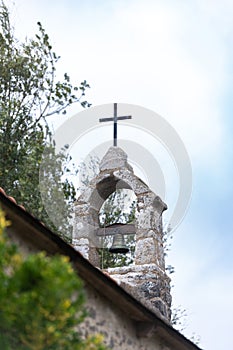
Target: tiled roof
{"x":12,"y":199}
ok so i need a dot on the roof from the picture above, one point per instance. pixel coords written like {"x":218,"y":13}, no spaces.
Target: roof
{"x":31,"y":229}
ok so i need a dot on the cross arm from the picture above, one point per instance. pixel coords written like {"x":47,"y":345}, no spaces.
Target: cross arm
{"x":118,"y":118}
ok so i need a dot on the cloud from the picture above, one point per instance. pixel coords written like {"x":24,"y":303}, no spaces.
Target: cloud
{"x":157,"y":56}
{"x":165,"y":56}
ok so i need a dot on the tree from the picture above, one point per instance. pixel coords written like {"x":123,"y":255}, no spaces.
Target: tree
{"x":58,"y":307}
{"x":29,"y":94}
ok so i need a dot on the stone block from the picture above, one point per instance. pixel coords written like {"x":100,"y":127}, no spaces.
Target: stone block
{"x":144,"y":233}
{"x":81,"y":208}
{"x":145,"y":251}
{"x":137,"y":185}
{"x":115,"y":158}
{"x":146,"y":199}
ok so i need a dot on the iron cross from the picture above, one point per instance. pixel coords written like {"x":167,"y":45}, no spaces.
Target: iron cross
{"x":114,"y":120}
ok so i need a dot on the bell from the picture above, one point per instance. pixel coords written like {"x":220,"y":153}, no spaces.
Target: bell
{"x":118,"y":245}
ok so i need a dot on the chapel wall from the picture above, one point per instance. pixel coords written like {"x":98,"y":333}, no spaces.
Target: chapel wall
{"x":119,"y":331}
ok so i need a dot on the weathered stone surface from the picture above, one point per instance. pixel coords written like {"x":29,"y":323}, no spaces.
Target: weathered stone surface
{"x":86,"y":195}
{"x":159,"y":205}
{"x":82,"y":246}
{"x":81,"y":208}
{"x":145,"y":251}
{"x":146,"y":198}
{"x":113,"y":159}
{"x":148,"y":218}
{"x":144,"y":233}
{"x":147,"y":283}
{"x":119,"y":332}
{"x":137,"y":185}
{"x":83,"y":229}
{"x":137,"y":269}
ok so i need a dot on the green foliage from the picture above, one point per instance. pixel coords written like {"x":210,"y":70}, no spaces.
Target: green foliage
{"x":120,"y":207}
{"x":29,"y":94}
{"x":179,"y":318}
{"x":179,"y":321}
{"x":42,"y":301}
{"x":167,"y":237}
{"x":53,"y":188}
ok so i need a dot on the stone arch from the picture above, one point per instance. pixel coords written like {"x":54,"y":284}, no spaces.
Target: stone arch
{"x":116,"y":173}
{"x":146,"y":279}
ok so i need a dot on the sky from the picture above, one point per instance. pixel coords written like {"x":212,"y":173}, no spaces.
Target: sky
{"x":174,"y":58}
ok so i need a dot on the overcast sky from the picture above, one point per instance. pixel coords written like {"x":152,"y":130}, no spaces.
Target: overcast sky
{"x":175,"y":58}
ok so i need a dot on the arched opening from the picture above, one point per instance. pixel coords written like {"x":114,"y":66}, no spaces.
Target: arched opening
{"x":118,"y":208}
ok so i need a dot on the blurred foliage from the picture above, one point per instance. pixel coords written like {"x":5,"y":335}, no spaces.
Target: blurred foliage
{"x":42,"y":301}
{"x":179,"y":318}
{"x":30,"y":92}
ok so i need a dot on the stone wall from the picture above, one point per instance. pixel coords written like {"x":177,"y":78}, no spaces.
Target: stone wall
{"x":120,"y":332}
{"x":148,"y":284}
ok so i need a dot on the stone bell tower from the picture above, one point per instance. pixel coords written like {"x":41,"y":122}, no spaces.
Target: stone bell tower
{"x":146,"y":278}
